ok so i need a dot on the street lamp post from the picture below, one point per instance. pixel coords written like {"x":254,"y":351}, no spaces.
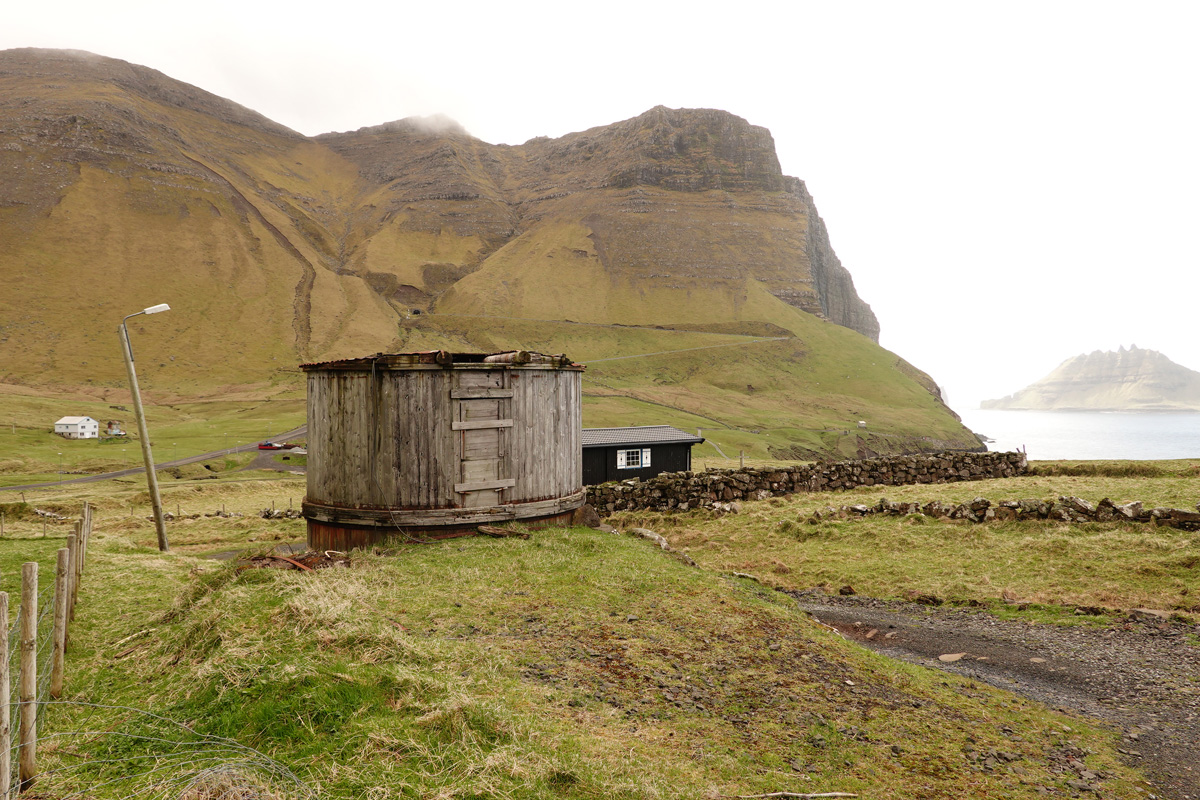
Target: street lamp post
{"x":151,"y":479}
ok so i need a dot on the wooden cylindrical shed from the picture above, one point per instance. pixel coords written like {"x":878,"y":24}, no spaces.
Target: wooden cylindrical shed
{"x":421,"y":445}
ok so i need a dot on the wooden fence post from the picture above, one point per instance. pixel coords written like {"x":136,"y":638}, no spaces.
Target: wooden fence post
{"x":58,"y":657}
{"x":27,"y":746}
{"x":87,"y":533}
{"x":5,"y":697}
{"x":72,"y":580}
{"x":76,"y":569}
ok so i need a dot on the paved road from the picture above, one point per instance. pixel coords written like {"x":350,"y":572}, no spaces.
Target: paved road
{"x":283,"y":437}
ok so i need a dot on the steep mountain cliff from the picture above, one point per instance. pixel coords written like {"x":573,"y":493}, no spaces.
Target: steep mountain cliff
{"x":669,"y":232}
{"x":1125,"y":380}
{"x":688,"y":199}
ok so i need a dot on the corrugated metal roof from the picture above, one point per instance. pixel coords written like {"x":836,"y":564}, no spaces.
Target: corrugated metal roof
{"x":74,"y":420}
{"x":641,"y":435}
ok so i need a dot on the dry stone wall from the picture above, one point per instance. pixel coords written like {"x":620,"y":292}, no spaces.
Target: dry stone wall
{"x":720,"y":489}
{"x":1065,"y":509}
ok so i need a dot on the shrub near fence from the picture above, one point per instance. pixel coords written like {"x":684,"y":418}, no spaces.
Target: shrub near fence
{"x":719,"y":489}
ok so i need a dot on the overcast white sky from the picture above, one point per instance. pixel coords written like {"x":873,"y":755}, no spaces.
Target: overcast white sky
{"x":1010,"y":183}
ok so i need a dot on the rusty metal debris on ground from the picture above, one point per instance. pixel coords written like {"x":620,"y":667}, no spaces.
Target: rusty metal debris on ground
{"x":308,"y":561}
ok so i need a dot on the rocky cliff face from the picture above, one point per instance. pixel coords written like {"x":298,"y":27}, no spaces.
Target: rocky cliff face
{"x":679,"y":197}
{"x":834,"y":287}
{"x":1125,"y":380}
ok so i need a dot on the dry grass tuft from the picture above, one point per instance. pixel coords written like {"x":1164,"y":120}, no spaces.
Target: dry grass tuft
{"x":228,"y":783}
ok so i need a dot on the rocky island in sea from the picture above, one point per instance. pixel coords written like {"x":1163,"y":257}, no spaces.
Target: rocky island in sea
{"x":1124,"y":380}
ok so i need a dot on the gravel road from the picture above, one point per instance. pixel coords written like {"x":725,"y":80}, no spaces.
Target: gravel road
{"x":1141,"y":675}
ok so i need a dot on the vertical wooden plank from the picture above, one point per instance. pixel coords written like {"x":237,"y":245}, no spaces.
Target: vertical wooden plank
{"x":361,"y":450}
{"x":504,"y":440}
{"x":321,"y":483}
{"x":532,"y":446}
{"x":520,"y":436}
{"x":343,"y":433}
{"x":573,"y":453}
{"x":515,"y":450}
{"x":337,"y":411}
{"x":424,"y":411}
{"x":577,"y":430}
{"x":325,"y":484}
{"x":426,"y":445}
{"x":438,"y":453}
{"x":417,"y":408}
{"x":374,"y":397}
{"x":354,"y":445}
{"x":529,"y":444}
{"x":566,"y":470}
{"x":315,"y":429}
{"x":541,"y":434}
{"x":447,"y":445}
{"x":404,"y":488}
{"x":554,"y":400}
{"x":27,"y":741}
{"x":387,"y":441}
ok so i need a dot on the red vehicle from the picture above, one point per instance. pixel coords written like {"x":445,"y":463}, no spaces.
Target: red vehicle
{"x":269,"y":446}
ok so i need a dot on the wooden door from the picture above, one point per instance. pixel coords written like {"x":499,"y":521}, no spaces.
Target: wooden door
{"x":481,"y":403}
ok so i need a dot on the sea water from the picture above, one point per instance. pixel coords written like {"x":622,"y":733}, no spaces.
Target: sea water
{"x":1051,"y":435}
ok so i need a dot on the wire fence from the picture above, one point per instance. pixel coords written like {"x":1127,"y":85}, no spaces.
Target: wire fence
{"x":123,"y":752}
{"x":91,"y":750}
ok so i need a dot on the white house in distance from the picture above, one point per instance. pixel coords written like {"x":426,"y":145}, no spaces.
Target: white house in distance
{"x":77,"y":428}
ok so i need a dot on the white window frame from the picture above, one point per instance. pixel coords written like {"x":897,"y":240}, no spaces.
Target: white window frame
{"x":642,"y":455}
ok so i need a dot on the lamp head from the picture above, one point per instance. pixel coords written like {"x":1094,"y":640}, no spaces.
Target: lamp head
{"x":156,"y":309}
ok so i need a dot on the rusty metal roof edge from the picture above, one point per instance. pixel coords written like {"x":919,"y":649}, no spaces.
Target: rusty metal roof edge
{"x":441,"y":359}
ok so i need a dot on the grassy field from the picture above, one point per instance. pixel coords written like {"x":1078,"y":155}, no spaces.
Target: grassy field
{"x":579,"y":663}
{"x":30,"y":452}
{"x":1046,"y":564}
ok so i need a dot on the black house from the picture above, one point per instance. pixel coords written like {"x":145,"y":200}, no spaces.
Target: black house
{"x":614,"y":454}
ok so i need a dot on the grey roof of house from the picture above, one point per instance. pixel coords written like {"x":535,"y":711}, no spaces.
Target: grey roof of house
{"x":639,"y":436}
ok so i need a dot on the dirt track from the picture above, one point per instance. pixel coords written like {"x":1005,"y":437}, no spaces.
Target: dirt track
{"x":1141,"y":675}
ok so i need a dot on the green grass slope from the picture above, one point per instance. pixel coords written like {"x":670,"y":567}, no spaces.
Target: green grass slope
{"x":574,"y":665}
{"x":789,"y":385}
